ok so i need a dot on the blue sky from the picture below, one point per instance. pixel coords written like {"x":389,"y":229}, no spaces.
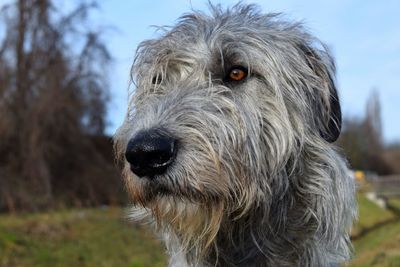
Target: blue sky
{"x":364,"y":36}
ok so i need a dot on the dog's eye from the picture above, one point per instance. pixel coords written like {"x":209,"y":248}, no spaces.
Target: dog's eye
{"x":236,"y":73}
{"x":156,"y":79}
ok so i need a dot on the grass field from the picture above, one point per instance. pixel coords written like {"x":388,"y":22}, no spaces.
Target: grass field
{"x":89,"y":238}
{"x":376,"y":236}
{"x":103,"y":238}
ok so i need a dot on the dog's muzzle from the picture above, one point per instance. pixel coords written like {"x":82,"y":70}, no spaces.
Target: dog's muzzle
{"x":151,"y":152}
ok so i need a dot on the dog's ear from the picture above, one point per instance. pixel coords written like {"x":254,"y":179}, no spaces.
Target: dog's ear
{"x":327,"y":107}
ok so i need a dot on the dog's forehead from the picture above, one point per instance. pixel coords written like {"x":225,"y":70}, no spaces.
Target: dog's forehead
{"x":212,"y":30}
{"x":200,"y":36}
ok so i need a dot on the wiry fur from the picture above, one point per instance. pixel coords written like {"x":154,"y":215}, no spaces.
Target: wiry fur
{"x":255,"y":181}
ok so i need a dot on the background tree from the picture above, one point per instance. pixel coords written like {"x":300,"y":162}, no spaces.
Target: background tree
{"x":362,"y":140}
{"x":373,"y":123}
{"x":53,"y":94}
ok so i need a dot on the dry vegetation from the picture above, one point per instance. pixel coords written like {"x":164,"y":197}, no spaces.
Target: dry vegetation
{"x":53,"y":94}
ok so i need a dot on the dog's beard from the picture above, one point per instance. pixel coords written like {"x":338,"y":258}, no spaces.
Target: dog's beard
{"x":193,"y":223}
{"x":145,"y":191}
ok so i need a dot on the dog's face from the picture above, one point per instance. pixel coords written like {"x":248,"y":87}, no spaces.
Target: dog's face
{"x":223,"y":107}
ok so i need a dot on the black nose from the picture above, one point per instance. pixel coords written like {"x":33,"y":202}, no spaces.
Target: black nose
{"x":151,"y":152}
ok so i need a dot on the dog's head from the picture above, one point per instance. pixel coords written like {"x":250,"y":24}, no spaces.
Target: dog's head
{"x":222,"y":109}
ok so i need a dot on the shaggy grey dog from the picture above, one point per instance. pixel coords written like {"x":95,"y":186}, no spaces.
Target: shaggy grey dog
{"x":228,"y":143}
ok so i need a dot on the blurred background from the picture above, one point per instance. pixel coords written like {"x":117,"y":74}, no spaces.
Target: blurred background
{"x":64,"y":78}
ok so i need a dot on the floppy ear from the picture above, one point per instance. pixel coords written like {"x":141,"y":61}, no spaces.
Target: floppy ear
{"x":328,"y":115}
{"x":331,"y":131}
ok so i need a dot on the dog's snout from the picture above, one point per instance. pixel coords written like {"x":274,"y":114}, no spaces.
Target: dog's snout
{"x":151,"y":152}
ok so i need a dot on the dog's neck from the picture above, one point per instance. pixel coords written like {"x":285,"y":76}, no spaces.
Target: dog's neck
{"x":299,"y":227}
{"x":261,"y":240}
{"x":256,"y":239}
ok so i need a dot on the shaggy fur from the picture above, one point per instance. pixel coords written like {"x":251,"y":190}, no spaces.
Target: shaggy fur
{"x":256,"y":180}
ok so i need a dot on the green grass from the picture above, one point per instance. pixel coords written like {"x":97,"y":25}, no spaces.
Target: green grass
{"x":103,"y":238}
{"x":92,"y":237}
{"x":379,"y":245}
{"x":370,"y":215}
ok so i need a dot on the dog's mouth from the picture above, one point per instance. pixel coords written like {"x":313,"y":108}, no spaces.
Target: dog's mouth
{"x":162,"y":191}
{"x":155,"y":189}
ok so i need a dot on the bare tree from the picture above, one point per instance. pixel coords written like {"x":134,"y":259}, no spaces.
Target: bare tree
{"x":373,"y":122}
{"x":53,"y":93}
{"x":362,"y":139}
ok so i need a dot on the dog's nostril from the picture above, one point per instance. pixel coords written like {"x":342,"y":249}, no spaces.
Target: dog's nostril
{"x":162,"y":155}
{"x":151,"y":152}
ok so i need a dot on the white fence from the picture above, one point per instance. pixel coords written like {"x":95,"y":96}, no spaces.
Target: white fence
{"x":387,"y":186}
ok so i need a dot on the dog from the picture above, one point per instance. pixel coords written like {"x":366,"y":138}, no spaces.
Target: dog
{"x":228,"y":143}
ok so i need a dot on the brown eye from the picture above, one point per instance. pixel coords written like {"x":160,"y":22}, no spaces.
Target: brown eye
{"x":237,"y":73}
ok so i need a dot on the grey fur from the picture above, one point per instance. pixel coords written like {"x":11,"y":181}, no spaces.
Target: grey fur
{"x":257,"y":181}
